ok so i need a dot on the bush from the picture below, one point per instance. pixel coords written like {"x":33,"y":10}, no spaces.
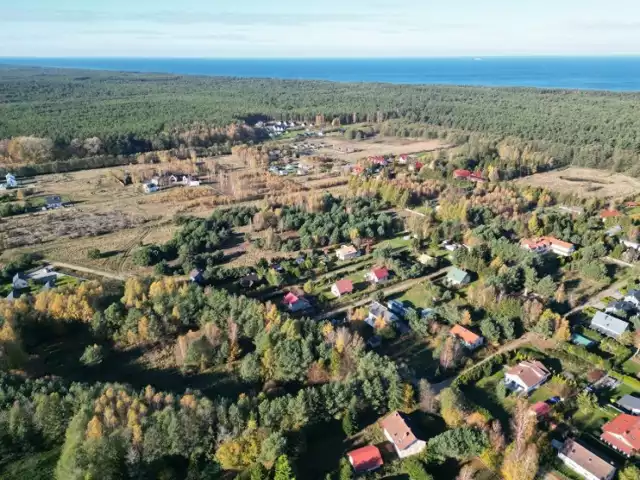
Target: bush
{"x":93,"y":355}
{"x":94,"y":254}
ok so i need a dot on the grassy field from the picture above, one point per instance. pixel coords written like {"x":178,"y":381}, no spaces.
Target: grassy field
{"x":631,"y":367}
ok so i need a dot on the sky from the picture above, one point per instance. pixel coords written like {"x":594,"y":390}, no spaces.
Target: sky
{"x":327,"y":28}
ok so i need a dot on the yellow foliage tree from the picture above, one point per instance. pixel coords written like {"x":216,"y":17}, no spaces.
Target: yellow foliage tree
{"x":94,"y":428}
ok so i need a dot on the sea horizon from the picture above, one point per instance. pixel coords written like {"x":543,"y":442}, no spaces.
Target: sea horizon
{"x":607,"y":73}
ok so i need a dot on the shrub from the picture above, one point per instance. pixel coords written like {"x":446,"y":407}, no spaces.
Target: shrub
{"x":93,"y":355}
{"x":94,"y":254}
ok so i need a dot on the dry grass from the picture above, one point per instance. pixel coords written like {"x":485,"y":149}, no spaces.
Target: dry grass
{"x":585,"y":182}
{"x":352,"y":151}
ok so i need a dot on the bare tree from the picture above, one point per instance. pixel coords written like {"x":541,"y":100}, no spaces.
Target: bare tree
{"x":451,"y":353}
{"x":523,"y":425}
{"x":428,"y":399}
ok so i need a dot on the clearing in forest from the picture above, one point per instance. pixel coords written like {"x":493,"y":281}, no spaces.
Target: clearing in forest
{"x":586,"y":182}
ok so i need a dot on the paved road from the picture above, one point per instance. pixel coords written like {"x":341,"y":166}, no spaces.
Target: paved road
{"x":397,"y":288}
{"x":594,"y":300}
{"x":93,"y":271}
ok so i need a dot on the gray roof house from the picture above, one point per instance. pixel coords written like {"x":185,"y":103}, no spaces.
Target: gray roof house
{"x":457,"y":276}
{"x":20,"y":281}
{"x":608,"y":325}
{"x":376,"y":311}
{"x":633,"y":296}
{"x":621,"y":306}
{"x":630,"y":404}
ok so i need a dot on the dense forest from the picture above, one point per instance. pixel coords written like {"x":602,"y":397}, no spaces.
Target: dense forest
{"x":91,"y":113}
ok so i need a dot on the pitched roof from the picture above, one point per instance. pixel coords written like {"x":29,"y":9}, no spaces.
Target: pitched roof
{"x":398,"y":430}
{"x":609,"y":323}
{"x":365,"y":458}
{"x":629,"y":402}
{"x":586,"y":459}
{"x":457,"y":275}
{"x":558,"y":243}
{"x":380,"y":273}
{"x":540,"y":408}
{"x":461,"y":173}
{"x":344,"y":286}
{"x":290,"y":298}
{"x":465,"y":334}
{"x":623,"y":432}
{"x":347,"y":250}
{"x":195,"y":273}
{"x":609,"y":213}
{"x":534,"y":243}
{"x":530,"y":373}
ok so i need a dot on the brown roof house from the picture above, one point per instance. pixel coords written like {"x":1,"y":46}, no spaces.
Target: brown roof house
{"x":365,"y":459}
{"x":397,"y":431}
{"x":584,"y":462}
{"x":342,"y":287}
{"x":526,"y":376}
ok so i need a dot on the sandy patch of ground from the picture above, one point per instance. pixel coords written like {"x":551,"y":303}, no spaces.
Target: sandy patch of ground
{"x":585,"y":182}
{"x":352,"y":151}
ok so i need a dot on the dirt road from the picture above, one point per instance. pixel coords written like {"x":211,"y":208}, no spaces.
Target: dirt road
{"x":397,"y":288}
{"x":92,"y":271}
{"x":594,"y":300}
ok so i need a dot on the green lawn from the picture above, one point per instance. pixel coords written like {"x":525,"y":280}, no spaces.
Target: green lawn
{"x":416,"y":296}
{"x":631,"y":368}
{"x":397,"y":243}
{"x":592,"y":420}
{"x":483,"y":394}
{"x":541,"y":394}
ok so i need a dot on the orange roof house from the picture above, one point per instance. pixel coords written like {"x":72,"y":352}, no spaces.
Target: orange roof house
{"x":466,"y":336}
{"x":544,"y":244}
{"x":365,"y":459}
{"x":604,"y":214}
{"x":342,"y":287}
{"x":623,"y":434}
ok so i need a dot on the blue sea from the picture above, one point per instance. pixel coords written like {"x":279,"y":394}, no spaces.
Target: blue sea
{"x":591,"y":73}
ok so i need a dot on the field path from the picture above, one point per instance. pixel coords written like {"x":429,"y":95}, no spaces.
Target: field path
{"x":79,"y":268}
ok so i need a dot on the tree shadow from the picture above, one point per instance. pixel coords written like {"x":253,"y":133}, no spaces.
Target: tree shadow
{"x":110,"y":253}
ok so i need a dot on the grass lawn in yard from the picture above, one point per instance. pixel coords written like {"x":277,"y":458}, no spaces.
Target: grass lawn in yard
{"x":398,"y":243}
{"x":593,"y":419}
{"x":631,"y":367}
{"x":541,"y":394}
{"x":415,"y":297}
{"x":482,"y":393}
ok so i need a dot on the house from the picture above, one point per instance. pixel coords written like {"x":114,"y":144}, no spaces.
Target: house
{"x":631,"y":244}
{"x":540,"y":409}
{"x":630,"y":403}
{"x":416,"y":167}
{"x":347,"y":252}
{"x":425,"y":259}
{"x":249,"y":280}
{"x":457,"y":277}
{"x":627,"y":308}
{"x":526,"y":376}
{"x":450,"y":246}
{"x":468,"y":175}
{"x":584,"y":462}
{"x":546,"y":244}
{"x":377,"y":275}
{"x":466,"y":337}
{"x":607,"y":325}
{"x":403,"y":159}
{"x":623,"y":434}
{"x":397,"y":431}
{"x":149,"y":188}
{"x":20,"y":281}
{"x":52,"y":202}
{"x":365,"y":459}
{"x":377,"y":312}
{"x":296,"y":302}
{"x":397,"y":307}
{"x":611,"y":213}
{"x":633,"y":296}
{"x":13,"y":295}
{"x":615,"y":230}
{"x":342,"y":287}
{"x":195,"y":275}
{"x":11,"y":181}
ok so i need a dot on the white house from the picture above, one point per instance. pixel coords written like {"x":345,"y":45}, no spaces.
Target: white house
{"x":397,"y":431}
{"x":347,"y":252}
{"x":377,"y":275}
{"x":466,"y":337}
{"x":584,"y":462}
{"x":11,"y":181}
{"x":526,"y":376}
{"x":149,"y":188}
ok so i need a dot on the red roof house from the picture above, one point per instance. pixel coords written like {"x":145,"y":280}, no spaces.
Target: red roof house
{"x":365,"y":459}
{"x":378,"y":275}
{"x":623,"y":434}
{"x":342,"y":287}
{"x":461,"y":173}
{"x":295,"y":303}
{"x":604,"y":214}
{"x":540,"y":409}
{"x":468,"y":175}
{"x":466,"y":336}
